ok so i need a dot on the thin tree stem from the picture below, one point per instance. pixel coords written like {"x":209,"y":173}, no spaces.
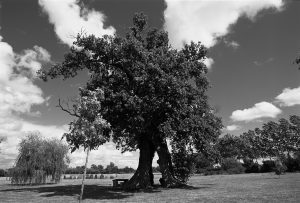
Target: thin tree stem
{"x":84,"y":174}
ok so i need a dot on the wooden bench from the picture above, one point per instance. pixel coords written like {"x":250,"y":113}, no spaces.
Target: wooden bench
{"x":119,"y":182}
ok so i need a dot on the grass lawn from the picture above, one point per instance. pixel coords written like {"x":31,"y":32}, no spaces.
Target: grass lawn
{"x":219,"y":188}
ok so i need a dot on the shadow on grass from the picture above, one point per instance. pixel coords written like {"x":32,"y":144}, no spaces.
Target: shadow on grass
{"x":90,"y":191}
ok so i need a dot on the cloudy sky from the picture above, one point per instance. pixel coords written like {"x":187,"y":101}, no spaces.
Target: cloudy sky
{"x":252,"y":45}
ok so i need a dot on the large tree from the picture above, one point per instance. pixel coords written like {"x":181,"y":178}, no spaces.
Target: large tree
{"x":152,"y":93}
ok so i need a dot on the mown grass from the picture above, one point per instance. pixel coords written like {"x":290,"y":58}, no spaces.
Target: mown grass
{"x":219,"y":188}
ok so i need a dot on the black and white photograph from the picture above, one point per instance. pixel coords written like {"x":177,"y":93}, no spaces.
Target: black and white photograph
{"x":149,"y":101}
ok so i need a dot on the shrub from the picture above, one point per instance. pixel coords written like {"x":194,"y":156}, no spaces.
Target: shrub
{"x":101,"y":176}
{"x":2,"y":173}
{"x":89,"y":176}
{"x":202,"y":163}
{"x":232,"y":166}
{"x":184,"y":164}
{"x":251,"y":167}
{"x":268,"y":166}
{"x":291,"y":164}
{"x":111,"y":177}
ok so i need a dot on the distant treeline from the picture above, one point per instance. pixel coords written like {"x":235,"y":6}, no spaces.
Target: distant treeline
{"x":277,"y":143}
{"x":97,"y":169}
{"x":94,"y":169}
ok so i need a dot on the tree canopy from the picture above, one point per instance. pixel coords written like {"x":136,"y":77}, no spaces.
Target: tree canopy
{"x":151,"y":93}
{"x":273,"y":139}
{"x":89,"y":129}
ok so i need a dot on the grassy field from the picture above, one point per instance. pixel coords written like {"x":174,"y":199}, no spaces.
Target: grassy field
{"x":222,"y":188}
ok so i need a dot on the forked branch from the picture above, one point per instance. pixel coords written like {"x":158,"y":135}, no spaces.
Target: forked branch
{"x":68,"y":110}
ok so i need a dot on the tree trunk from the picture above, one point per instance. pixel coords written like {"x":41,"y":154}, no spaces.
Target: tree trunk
{"x":84,"y":174}
{"x":165,"y":164}
{"x":143,"y":177}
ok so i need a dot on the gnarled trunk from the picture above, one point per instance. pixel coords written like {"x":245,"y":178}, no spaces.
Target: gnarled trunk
{"x":165,"y":164}
{"x":143,"y":177}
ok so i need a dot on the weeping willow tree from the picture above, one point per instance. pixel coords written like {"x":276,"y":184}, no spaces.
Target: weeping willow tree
{"x":39,"y":159}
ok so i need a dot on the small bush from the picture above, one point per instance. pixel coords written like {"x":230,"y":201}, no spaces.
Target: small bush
{"x":184,"y":164}
{"x":251,"y":167}
{"x":268,"y":166}
{"x":291,"y":164}
{"x":101,"y":176}
{"x":2,"y":173}
{"x":111,"y":177}
{"x":232,"y":166}
{"x":89,"y":176}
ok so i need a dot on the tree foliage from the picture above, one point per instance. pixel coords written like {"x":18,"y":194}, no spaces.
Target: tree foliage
{"x":151,"y":93}
{"x":282,"y":137}
{"x":279,"y":140}
{"x":89,"y":129}
{"x":39,"y":158}
{"x":229,"y":146}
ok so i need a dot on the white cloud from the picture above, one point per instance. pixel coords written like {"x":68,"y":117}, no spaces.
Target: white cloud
{"x":17,"y":90}
{"x":30,"y":60}
{"x":233,"y":127}
{"x":69,"y":19}
{"x":232,"y":44}
{"x":207,"y":20}
{"x":208,"y":62}
{"x":289,"y":97}
{"x":259,"y":110}
{"x":260,"y":63}
{"x":18,"y":94}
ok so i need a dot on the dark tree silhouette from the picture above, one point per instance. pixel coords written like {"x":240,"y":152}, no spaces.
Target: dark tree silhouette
{"x":298,"y":61}
{"x":151,"y":93}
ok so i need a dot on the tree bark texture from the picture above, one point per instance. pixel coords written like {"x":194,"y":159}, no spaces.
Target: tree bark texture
{"x":143,"y":177}
{"x":165,"y":164}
